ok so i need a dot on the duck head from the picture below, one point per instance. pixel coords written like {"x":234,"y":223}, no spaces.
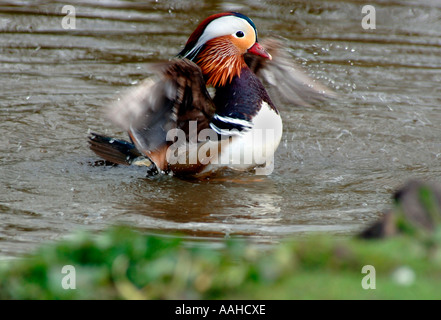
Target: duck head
{"x":218,"y":45}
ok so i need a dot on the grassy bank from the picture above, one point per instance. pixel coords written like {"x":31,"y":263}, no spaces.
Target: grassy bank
{"x":121,"y":263}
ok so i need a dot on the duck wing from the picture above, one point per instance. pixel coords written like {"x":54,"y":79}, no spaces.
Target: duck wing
{"x":151,"y":109}
{"x":292,"y":83}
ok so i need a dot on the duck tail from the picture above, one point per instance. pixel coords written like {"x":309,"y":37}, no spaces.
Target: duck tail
{"x":113,"y":150}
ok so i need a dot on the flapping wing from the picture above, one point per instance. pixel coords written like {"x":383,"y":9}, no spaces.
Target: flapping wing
{"x":290,"y":81}
{"x":148,"y":111}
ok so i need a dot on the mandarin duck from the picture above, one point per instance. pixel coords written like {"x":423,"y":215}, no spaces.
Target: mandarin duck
{"x":176,"y":125}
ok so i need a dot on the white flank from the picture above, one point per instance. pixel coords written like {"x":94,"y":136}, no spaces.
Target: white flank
{"x":254,"y":147}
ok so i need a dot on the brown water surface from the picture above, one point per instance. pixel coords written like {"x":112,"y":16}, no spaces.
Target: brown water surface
{"x":335,"y":169}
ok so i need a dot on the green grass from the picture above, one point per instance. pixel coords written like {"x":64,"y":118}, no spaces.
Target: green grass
{"x":121,"y":263}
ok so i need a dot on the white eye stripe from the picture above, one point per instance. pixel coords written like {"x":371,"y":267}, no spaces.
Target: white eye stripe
{"x":227,"y":25}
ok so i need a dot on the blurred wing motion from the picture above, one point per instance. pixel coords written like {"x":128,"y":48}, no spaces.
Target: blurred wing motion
{"x":291,"y":82}
{"x":148,"y":111}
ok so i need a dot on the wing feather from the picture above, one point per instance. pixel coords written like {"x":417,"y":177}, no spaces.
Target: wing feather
{"x":152,"y":108}
{"x":292,"y":83}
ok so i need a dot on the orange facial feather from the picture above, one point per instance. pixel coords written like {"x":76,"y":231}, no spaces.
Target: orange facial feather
{"x":221,"y":61}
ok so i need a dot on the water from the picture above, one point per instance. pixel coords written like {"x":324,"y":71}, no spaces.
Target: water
{"x":336,"y":167}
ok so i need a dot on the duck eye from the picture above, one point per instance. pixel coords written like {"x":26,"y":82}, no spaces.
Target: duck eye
{"x":240,"y":34}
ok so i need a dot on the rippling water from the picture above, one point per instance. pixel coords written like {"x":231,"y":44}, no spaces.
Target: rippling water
{"x":336,"y":167}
